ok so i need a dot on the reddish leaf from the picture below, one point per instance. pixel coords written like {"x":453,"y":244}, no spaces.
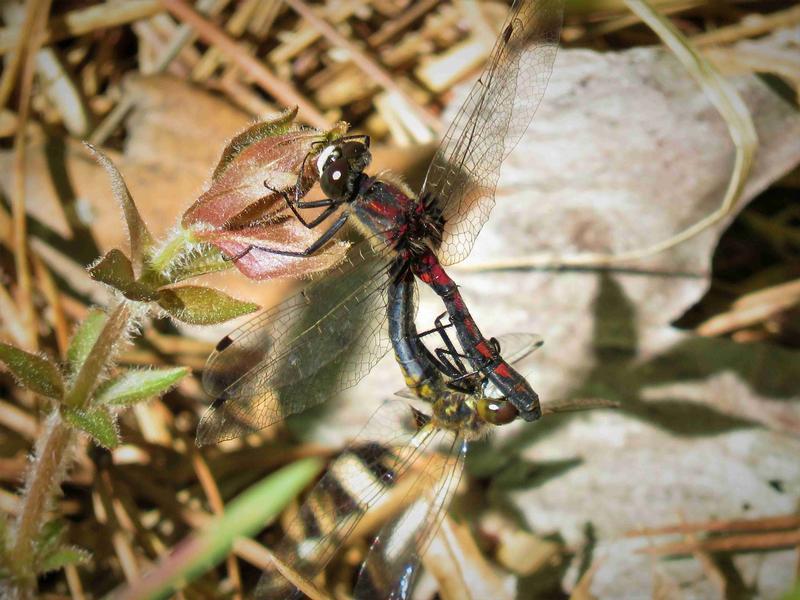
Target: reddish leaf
{"x":237,"y":192}
{"x":284,"y":234}
{"x":282,"y":123}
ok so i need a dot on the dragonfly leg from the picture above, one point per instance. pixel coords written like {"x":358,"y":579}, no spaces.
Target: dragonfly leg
{"x":330,"y":205}
{"x":314,"y":247}
{"x":455,"y":356}
{"x":448,"y":359}
{"x":440,"y":360}
{"x":436,"y":329}
{"x":467,"y":382}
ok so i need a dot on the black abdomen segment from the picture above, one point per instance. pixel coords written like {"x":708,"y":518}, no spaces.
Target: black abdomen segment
{"x":418,"y":366}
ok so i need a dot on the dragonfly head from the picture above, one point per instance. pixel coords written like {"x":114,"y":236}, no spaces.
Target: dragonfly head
{"x":340,"y":165}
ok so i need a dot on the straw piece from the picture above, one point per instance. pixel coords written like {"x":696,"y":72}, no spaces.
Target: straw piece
{"x":85,"y":20}
{"x":283,"y":91}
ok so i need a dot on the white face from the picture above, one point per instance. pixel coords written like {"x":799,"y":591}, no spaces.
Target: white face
{"x":323,"y":158}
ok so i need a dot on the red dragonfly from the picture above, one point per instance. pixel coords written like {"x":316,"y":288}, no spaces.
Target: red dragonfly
{"x":328,"y":337}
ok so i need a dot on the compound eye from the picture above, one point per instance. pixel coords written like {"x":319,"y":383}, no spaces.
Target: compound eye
{"x":496,"y":411}
{"x":353,"y":149}
{"x":334,"y":178}
{"x":328,"y":155}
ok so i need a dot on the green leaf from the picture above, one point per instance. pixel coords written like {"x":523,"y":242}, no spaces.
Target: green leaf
{"x":198,"y":305}
{"x":4,"y":535}
{"x":206,"y":260}
{"x":33,"y":372}
{"x":84,"y":338}
{"x":63,"y":556}
{"x":141,"y":240}
{"x":115,"y":269}
{"x":243,"y":517}
{"x":51,"y":533}
{"x":49,"y":538}
{"x":97,"y":422}
{"x":139,"y":384}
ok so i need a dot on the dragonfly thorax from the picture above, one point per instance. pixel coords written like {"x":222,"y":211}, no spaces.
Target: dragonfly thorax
{"x":340,"y":165}
{"x":458,"y":412}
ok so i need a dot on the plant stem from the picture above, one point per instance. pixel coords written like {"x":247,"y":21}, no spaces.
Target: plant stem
{"x":53,"y":451}
{"x":45,"y":474}
{"x":169,"y":251}
{"x":99,"y":357}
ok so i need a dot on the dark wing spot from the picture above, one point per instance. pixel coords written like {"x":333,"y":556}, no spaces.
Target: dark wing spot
{"x":218,"y":402}
{"x":223,"y":343}
{"x":508,"y":32}
{"x":420,"y":418}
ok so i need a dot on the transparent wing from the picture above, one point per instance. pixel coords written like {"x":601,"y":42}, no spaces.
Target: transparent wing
{"x":393,"y":560}
{"x":462,"y":178}
{"x":516,"y":346}
{"x":376,"y":469}
{"x":301,"y":352}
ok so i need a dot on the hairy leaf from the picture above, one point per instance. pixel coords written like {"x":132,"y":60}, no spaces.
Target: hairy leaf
{"x":98,"y":422}
{"x":116,"y":270}
{"x":50,"y":537}
{"x":136,"y":385}
{"x":51,"y":552}
{"x":84,"y":338}
{"x":64,"y":556}
{"x":141,"y":240}
{"x":253,"y":134}
{"x":207,"y":260}
{"x":33,"y":372}
{"x":199,"y":305}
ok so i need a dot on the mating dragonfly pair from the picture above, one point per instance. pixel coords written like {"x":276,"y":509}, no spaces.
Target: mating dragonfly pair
{"x":326,"y":338}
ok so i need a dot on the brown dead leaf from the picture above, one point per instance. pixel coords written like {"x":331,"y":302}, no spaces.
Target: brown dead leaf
{"x":459,"y":567}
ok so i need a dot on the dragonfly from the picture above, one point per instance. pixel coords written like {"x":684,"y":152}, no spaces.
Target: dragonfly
{"x":329,"y":336}
{"x":412,"y":454}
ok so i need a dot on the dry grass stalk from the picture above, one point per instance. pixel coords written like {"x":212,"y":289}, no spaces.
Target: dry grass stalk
{"x":85,"y":20}
{"x":752,"y":309}
{"x":370,"y":68}
{"x":255,"y":69}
